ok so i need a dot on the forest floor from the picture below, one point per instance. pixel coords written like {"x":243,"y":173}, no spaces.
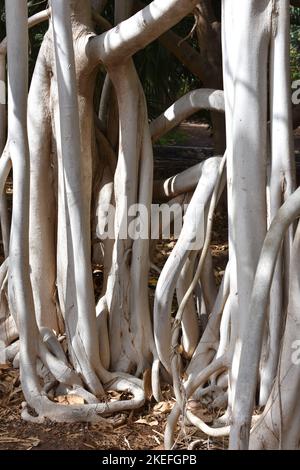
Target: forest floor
{"x":141,"y":429}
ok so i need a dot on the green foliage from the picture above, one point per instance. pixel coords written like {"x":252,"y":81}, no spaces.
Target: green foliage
{"x":163,"y":77}
{"x":173,"y":137}
{"x":295,"y":43}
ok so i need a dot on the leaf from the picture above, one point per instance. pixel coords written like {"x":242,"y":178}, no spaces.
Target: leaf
{"x":148,"y":423}
{"x":152,"y":282}
{"x":70,"y":400}
{"x":114,"y":396}
{"x":153,"y":423}
{"x":162,"y":407}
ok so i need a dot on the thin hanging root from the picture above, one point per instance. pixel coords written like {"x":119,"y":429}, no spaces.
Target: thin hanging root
{"x":178,"y":319}
{"x":214,"y":199}
{"x":200,"y":424}
{"x":191,"y":33}
{"x":190,"y":321}
{"x":102,"y":326}
{"x":208,"y":285}
{"x":155,"y":380}
{"x":5,"y":167}
{"x":208,"y":344}
{"x":212,"y":432}
{"x":167,"y":281}
{"x":189,"y":388}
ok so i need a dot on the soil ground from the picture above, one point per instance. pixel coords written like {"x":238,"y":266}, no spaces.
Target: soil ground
{"x":142,"y":429}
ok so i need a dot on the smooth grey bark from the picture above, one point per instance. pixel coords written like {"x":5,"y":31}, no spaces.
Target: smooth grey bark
{"x":19,"y":278}
{"x":245,"y":88}
{"x":73,"y":184}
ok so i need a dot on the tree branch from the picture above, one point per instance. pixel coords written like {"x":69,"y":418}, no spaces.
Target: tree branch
{"x":186,"y":54}
{"x":183,"y":51}
{"x":138,"y":31}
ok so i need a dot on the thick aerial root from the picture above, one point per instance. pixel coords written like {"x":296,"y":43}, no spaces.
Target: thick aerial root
{"x":130,"y":326}
{"x":278,"y":428}
{"x":281,"y":185}
{"x":189,"y":104}
{"x":33,"y":20}
{"x":10,"y":352}
{"x":76,"y":289}
{"x":253,"y":336}
{"x":183,"y":182}
{"x":40,"y":351}
{"x":5,"y":222}
{"x":45,"y":408}
{"x":123,"y":355}
{"x":53,"y":344}
{"x":190,"y":321}
{"x":42,"y":199}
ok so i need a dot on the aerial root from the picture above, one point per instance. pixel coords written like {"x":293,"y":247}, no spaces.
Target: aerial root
{"x":189,"y":388}
{"x":155,"y":380}
{"x":92,"y":412}
{"x":210,"y":431}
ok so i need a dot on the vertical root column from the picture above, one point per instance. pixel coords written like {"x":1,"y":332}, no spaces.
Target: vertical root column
{"x":127,"y":290}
